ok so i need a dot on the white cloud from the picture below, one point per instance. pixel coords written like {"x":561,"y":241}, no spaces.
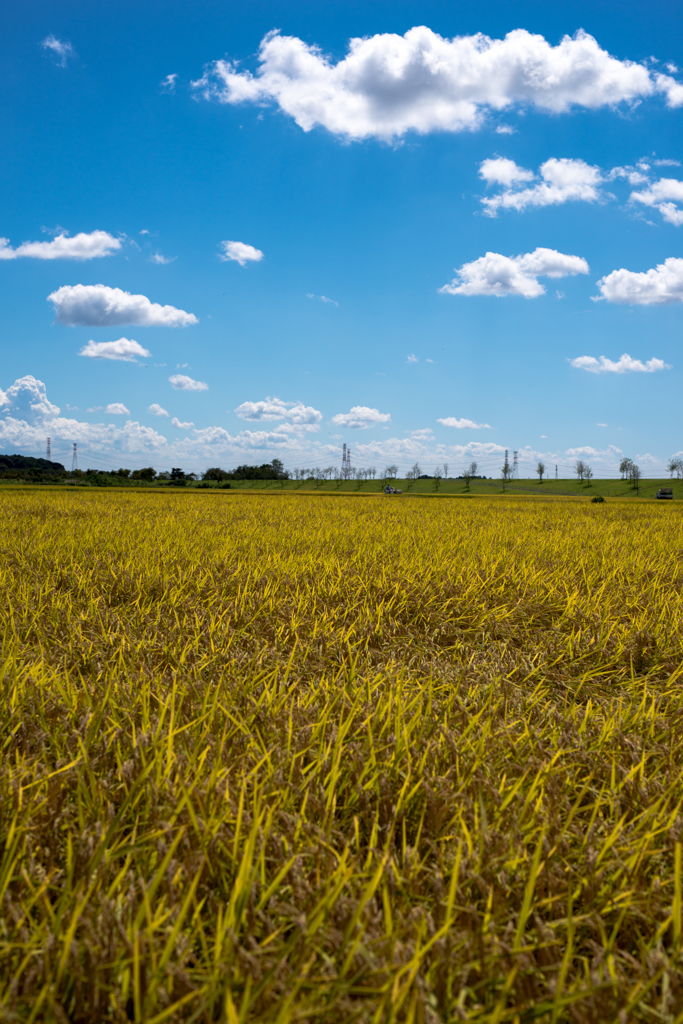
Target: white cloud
{"x":652,"y":287}
{"x":27,"y":417}
{"x":388,"y":84}
{"x":297,"y":416}
{"x":125,"y":350}
{"x":60,"y":48}
{"x":663,"y":195}
{"x":240,"y":252}
{"x":96,"y":305}
{"x":601,"y":424}
{"x":117,"y":409}
{"x":167,"y":84}
{"x":175,"y":422}
{"x":424,"y":434}
{"x":156,"y":409}
{"x":633,"y":175}
{"x":163,"y":261}
{"x":361,"y":417}
{"x":82,"y":246}
{"x":461,"y":424}
{"x":412,"y":358}
{"x":563,"y":180}
{"x":323,"y":298}
{"x":494,"y":274}
{"x":27,"y":400}
{"x":625,"y":364}
{"x":181,"y":382}
{"x":501,"y":171}
{"x":506,"y":129}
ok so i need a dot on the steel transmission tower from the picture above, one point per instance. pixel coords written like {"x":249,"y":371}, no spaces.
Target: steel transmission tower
{"x":346,"y":462}
{"x":74,"y":459}
{"x":48,"y":450}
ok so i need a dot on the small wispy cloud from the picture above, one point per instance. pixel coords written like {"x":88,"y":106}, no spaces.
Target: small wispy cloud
{"x":463,"y":424}
{"x":168,"y":84}
{"x":239,"y":252}
{"x":181,"y":382}
{"x":61,"y":49}
{"x":361,"y":417}
{"x":625,"y":364}
{"x":412,"y":359}
{"x":124,"y":350}
{"x":175,"y":422}
{"x":322,"y":298}
{"x":156,"y":409}
{"x":117,"y":409}
{"x":156,"y":257}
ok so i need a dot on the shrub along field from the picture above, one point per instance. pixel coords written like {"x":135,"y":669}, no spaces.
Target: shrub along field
{"x":324,"y":758}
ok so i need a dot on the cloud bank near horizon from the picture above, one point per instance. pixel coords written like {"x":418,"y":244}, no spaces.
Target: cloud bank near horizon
{"x":27,"y":416}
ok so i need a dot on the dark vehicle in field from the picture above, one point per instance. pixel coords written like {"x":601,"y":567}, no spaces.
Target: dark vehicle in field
{"x":392,"y":490}
{"x":665,"y":492}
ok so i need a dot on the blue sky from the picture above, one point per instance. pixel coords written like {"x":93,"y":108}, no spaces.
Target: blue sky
{"x":365,"y":188}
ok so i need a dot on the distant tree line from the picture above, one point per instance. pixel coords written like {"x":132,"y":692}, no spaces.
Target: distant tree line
{"x":37,"y":470}
{"x":267,"y":471}
{"x":24,"y":467}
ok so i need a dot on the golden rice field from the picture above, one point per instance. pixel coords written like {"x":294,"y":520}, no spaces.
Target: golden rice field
{"x":328,"y":759}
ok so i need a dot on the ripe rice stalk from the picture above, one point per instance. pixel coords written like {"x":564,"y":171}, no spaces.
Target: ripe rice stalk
{"x":303,"y":758}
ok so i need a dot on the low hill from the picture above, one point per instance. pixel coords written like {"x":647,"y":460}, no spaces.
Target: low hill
{"x":27,"y":462}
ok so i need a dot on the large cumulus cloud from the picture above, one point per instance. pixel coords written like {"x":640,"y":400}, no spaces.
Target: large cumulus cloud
{"x":389,"y":84}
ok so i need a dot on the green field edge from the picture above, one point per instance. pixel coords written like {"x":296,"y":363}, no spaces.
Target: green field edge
{"x":452,"y":488}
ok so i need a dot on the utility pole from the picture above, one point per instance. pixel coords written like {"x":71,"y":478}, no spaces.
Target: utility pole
{"x":556,"y":471}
